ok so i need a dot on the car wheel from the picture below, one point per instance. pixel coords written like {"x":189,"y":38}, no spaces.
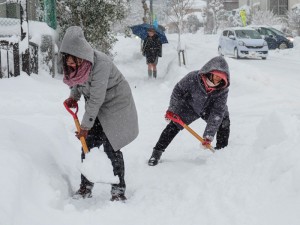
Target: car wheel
{"x":283,"y":45}
{"x":264,"y":58}
{"x":236,"y":54}
{"x":220,"y":51}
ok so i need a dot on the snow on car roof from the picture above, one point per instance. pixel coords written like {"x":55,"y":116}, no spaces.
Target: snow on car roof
{"x":239,"y":28}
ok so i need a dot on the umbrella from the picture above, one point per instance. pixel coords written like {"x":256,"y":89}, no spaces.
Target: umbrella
{"x":141,"y":31}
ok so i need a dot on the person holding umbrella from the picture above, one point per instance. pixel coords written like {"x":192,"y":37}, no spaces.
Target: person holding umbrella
{"x":152,"y":49}
{"x":110,"y":116}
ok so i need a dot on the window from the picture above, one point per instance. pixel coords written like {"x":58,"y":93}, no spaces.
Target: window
{"x":230,"y":33}
{"x":247,"y":34}
{"x":278,"y":7}
{"x":268,"y":32}
{"x":225,"y":32}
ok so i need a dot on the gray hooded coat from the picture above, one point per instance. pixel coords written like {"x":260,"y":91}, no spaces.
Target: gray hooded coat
{"x":191,"y":101}
{"x":108,"y":95}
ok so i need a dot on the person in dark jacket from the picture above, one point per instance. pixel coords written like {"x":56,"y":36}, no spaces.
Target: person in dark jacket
{"x":152,"y":49}
{"x":110,"y":110}
{"x":200,"y":94}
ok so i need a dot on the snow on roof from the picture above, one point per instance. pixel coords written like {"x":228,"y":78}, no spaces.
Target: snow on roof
{"x":12,"y":27}
{"x":296,"y":6}
{"x":199,"y":4}
{"x":239,"y":28}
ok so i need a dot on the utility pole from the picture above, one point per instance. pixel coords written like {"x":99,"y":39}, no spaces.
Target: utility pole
{"x":146,"y":11}
{"x":24,"y":43}
{"x":151,"y":12}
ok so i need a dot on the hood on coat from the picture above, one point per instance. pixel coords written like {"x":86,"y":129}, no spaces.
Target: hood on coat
{"x":74,"y":43}
{"x":216,"y":64}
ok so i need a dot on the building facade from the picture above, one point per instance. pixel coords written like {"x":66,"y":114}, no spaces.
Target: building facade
{"x":231,"y":4}
{"x":279,"y":7}
{"x":12,"y":10}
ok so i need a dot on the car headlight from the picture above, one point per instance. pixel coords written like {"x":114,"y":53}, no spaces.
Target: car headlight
{"x":265,"y":43}
{"x":290,"y":39}
{"x":241,"y":43}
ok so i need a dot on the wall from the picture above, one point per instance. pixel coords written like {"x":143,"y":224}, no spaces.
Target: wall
{"x":293,"y":2}
{"x":263,"y":3}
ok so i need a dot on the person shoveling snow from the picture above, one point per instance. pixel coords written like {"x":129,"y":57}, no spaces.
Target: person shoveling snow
{"x":200,"y":94}
{"x":110,"y":111}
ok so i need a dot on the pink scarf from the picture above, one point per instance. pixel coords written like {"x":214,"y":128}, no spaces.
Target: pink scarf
{"x":81,"y":76}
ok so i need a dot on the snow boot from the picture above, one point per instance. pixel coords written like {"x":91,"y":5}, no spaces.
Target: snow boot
{"x":118,"y":192}
{"x":149,"y":74}
{"x":85,"y":191}
{"x":154,"y":74}
{"x":155,"y":157}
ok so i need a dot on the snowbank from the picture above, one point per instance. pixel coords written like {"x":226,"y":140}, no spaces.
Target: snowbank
{"x":255,"y":181}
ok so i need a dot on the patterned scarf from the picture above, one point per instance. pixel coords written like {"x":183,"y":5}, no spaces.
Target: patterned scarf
{"x":80,"y":76}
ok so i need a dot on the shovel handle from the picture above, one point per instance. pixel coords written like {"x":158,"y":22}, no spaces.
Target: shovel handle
{"x":82,"y":139}
{"x":175,"y":118}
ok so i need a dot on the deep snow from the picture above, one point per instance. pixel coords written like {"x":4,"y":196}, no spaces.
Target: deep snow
{"x":255,"y":181}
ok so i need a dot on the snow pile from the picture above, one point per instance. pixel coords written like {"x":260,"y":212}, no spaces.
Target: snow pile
{"x":97,"y":167}
{"x":255,"y":181}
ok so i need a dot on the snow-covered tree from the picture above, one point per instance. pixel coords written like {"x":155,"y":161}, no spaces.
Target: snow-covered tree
{"x":235,"y":20}
{"x":96,"y":17}
{"x":214,"y":14}
{"x":193,"y":23}
{"x":176,"y":11}
{"x":266,"y":17}
{"x":294,"y":21}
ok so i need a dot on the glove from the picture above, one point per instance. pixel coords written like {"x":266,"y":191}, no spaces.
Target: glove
{"x":82,"y":133}
{"x":71,"y":103}
{"x":168,"y":114}
{"x":206,"y":143}
{"x":166,"y":118}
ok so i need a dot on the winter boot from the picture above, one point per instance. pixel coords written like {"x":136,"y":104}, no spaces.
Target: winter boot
{"x":85,"y":191}
{"x":118,"y":192}
{"x":149,"y":74}
{"x":155,"y":157}
{"x":154,"y":74}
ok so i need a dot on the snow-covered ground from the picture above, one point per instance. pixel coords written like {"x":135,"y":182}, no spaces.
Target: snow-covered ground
{"x":255,"y":181}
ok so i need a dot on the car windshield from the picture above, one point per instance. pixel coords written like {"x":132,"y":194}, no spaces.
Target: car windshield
{"x":277,"y":31}
{"x":247,"y":34}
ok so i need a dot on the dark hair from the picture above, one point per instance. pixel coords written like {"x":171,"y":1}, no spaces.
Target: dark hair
{"x":210,"y":77}
{"x":151,"y":30}
{"x":67,"y":69}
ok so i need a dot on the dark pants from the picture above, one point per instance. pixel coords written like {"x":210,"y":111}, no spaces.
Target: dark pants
{"x":96,"y":137}
{"x":173,"y":129}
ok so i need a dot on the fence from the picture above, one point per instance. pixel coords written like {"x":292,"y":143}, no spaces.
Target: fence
{"x":34,"y":58}
{"x":10,"y":59}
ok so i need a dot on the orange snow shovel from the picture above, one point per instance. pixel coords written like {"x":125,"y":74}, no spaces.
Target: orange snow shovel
{"x":74,"y":114}
{"x":175,"y":118}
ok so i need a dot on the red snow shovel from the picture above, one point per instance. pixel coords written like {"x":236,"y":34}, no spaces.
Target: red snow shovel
{"x":74,"y":114}
{"x":175,"y":118}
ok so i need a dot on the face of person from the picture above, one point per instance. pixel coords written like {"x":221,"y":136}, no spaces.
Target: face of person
{"x":150,"y":33}
{"x":71,"y":62}
{"x":216,"y":79}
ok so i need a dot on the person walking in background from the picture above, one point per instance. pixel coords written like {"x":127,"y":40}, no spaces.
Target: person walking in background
{"x":152,"y":49}
{"x":110,"y":117}
{"x":200,"y":94}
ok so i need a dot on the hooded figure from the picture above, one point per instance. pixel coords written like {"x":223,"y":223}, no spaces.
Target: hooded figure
{"x":110,"y":116}
{"x":152,"y":49}
{"x":200,"y":94}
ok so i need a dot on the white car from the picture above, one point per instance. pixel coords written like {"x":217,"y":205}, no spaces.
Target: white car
{"x":242,"y":43}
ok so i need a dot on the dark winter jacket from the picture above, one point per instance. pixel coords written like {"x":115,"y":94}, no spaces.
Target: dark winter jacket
{"x":152,"y":46}
{"x":190,"y":100}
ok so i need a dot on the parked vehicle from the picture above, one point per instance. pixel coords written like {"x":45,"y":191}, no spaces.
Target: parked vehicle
{"x":242,"y":43}
{"x":275,"y":38}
